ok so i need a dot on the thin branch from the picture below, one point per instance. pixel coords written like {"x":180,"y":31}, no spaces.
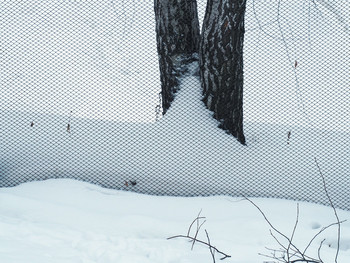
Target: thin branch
{"x":323,"y":229}
{"x":275,"y":250}
{"x":332,"y":205}
{"x":319,"y":250}
{"x":337,"y":15}
{"x":204,"y":243}
{"x":291,"y":254}
{"x":278,"y":242}
{"x":198,"y":228}
{"x":272,"y":257}
{"x":270,"y":224}
{"x":295,"y":227}
{"x":286,"y":251}
{"x":198,"y":217}
{"x":211,"y":251}
{"x":305,"y":261}
{"x":194,"y":239}
{"x":261,"y":26}
{"x":282,"y":258}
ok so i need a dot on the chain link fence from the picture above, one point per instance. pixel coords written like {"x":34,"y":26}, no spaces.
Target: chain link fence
{"x":80,"y":98}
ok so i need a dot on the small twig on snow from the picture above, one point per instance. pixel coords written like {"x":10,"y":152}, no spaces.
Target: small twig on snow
{"x":211,"y":251}
{"x":194,"y":239}
{"x":319,"y":250}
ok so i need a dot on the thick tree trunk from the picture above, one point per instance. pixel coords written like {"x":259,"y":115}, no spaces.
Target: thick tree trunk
{"x":221,"y":63}
{"x":178,"y":37}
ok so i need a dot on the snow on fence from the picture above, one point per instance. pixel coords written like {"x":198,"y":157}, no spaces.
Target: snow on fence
{"x":80,"y":97}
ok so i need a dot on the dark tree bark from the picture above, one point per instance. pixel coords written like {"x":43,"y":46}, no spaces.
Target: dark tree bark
{"x":221,"y":63}
{"x":178,"y":38}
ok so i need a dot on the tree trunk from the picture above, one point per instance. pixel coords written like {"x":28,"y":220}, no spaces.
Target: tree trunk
{"x":178,"y":38}
{"x":221,"y":63}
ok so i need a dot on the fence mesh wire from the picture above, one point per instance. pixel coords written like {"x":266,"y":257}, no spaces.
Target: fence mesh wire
{"x":80,"y":98}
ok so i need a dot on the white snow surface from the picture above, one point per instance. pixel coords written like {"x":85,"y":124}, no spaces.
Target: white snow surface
{"x":86,"y":58}
{"x":62,"y":220}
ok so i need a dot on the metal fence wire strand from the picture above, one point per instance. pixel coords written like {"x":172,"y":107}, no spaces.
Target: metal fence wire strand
{"x":181,"y":98}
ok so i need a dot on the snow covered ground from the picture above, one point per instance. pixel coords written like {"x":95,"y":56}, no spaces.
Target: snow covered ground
{"x":83,"y":63}
{"x":93,"y":65}
{"x":62,"y":220}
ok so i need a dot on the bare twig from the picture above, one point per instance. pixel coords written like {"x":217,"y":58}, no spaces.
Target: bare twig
{"x":319,"y":250}
{"x":204,"y":243}
{"x":289,"y":253}
{"x":274,"y":256}
{"x":292,"y":236}
{"x":211,"y":251}
{"x":275,"y":229}
{"x":198,"y":228}
{"x":332,"y":205}
{"x":278,"y":242}
{"x":194,"y":239}
{"x":195,"y":220}
{"x":305,"y":261}
{"x":323,"y":229}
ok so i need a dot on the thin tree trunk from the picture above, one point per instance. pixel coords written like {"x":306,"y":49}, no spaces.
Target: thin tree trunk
{"x":178,"y":37}
{"x":221,"y":63}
